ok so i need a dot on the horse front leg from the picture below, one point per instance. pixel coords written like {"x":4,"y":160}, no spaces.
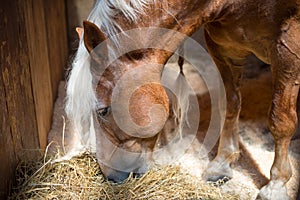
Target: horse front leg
{"x":228,"y":149}
{"x":282,"y":119}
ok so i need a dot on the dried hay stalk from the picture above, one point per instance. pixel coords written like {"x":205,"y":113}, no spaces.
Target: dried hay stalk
{"x":81,"y":178}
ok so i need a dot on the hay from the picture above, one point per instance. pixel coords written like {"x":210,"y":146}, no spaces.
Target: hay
{"x":81,"y":178}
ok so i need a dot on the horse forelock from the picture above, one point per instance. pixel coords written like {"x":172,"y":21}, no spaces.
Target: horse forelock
{"x":104,"y":12}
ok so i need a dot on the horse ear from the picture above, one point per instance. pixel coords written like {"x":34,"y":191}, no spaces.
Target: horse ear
{"x":92,"y":35}
{"x":79,"y":31}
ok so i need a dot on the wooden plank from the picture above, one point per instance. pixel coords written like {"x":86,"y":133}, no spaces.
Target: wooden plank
{"x":39,"y":66}
{"x":7,"y":154}
{"x":55,"y":16}
{"x":18,"y":120}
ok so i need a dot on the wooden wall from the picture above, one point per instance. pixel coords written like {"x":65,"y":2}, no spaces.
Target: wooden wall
{"x":33,"y":52}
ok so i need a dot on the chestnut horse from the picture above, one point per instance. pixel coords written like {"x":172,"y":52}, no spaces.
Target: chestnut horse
{"x":233,"y":30}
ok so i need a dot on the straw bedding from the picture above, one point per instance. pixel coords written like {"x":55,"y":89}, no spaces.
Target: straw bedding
{"x":81,"y":178}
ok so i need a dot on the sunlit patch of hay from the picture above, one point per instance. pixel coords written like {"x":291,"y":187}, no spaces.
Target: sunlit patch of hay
{"x":81,"y":178}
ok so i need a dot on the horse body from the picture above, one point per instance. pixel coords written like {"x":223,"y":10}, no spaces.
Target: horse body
{"x":269,"y":31}
{"x":233,"y":30}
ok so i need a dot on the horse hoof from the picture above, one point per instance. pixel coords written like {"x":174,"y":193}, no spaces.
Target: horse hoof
{"x":218,"y":173}
{"x":274,"y":190}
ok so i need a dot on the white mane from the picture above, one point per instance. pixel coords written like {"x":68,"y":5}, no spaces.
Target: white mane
{"x":81,"y":99}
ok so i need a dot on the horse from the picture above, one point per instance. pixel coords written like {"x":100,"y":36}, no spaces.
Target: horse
{"x":233,"y":30}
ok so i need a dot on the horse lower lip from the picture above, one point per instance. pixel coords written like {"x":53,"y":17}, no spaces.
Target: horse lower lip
{"x":118,"y":177}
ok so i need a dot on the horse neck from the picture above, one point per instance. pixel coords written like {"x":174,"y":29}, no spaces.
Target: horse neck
{"x":186,"y":16}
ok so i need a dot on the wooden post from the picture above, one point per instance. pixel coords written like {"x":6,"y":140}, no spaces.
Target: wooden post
{"x":39,"y":66}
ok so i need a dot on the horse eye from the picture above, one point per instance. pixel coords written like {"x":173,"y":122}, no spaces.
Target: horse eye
{"x":103,"y":112}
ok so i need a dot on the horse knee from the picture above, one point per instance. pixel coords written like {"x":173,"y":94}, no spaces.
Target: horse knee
{"x":282,"y":124}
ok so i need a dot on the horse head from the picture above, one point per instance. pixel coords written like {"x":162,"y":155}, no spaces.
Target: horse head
{"x":132,"y":105}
